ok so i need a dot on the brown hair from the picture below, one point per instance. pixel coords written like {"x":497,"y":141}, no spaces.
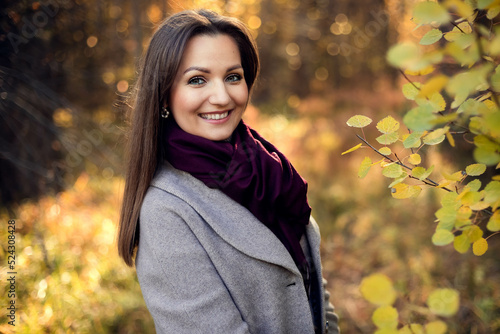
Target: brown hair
{"x":158,"y":69}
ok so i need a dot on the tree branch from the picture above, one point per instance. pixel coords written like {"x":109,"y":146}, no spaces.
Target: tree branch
{"x":426,"y":181}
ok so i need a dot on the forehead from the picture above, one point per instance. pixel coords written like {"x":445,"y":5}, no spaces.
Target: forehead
{"x":211,"y":50}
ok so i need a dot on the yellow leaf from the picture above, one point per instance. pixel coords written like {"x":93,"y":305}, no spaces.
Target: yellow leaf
{"x":415,"y":159}
{"x":437,"y":101}
{"x":444,"y":302}
{"x":461,"y":7}
{"x":412,"y":329}
{"x":450,"y":138}
{"x":385,"y":317}
{"x":457,"y":176}
{"x":434,"y":85}
{"x":388,"y":125}
{"x":480,"y":247}
{"x":365,"y":167}
{"x":403,"y":190}
{"x":479,"y":206}
{"x":359,"y":121}
{"x":493,"y":12}
{"x":444,"y":183}
{"x":473,"y":232}
{"x":378,"y":289}
{"x":352,"y":149}
{"x":456,"y":33}
{"x":385,"y":151}
{"x":436,"y":327}
{"x":427,"y":70}
{"x":494,"y":222}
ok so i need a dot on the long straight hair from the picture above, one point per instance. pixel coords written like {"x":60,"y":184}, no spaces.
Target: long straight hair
{"x":152,"y":90}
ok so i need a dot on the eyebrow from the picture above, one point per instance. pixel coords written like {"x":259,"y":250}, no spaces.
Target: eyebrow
{"x":206,"y":70}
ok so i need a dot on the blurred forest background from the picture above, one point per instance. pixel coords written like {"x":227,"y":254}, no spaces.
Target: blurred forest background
{"x":66,"y":67}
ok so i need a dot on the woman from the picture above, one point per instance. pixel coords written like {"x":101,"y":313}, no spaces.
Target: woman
{"x":225,"y":242}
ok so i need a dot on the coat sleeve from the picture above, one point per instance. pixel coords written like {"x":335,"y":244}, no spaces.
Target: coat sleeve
{"x":181,"y":287}
{"x":330,"y":315}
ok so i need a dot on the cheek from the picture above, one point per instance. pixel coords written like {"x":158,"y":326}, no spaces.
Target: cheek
{"x":241,"y":95}
{"x":184,"y":102}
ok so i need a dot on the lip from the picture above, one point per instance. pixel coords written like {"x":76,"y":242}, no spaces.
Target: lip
{"x":217,"y":121}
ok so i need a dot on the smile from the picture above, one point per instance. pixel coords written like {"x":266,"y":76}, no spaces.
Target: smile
{"x":215,"y":116}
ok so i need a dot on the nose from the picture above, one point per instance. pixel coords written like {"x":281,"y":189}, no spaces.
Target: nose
{"x":219,"y":94}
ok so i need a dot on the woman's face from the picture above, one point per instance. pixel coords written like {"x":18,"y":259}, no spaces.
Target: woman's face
{"x":209,"y":93}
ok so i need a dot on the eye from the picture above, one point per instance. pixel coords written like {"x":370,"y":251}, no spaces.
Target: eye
{"x":234,"y":77}
{"x":196,"y":81}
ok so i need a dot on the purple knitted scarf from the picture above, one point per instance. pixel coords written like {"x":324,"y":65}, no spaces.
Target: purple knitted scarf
{"x":251,"y":171}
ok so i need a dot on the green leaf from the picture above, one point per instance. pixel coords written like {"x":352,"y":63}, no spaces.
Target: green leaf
{"x":421,"y":173}
{"x":447,"y":215}
{"x":352,"y":149}
{"x":492,"y":192}
{"x":411,"y":90}
{"x":475,"y":169}
{"x":450,"y":199}
{"x":385,"y":151}
{"x":444,"y":302}
{"x":461,"y":35}
{"x":404,"y":55}
{"x":492,"y":123}
{"x":474,"y":185}
{"x":472,"y":107}
{"x":483,"y":4}
{"x":465,"y":83}
{"x":494,"y":222}
{"x":385,"y":317}
{"x":437,"y":102}
{"x":419,"y":118}
{"x":398,"y":180}
{"x":461,"y":244}
{"x":413,"y":140}
{"x":445,"y":226}
{"x":480,"y":247}
{"x":388,"y":125}
{"x":392,"y":171}
{"x":431,"y":37}
{"x":365,"y":166}
{"x":378,"y":289}
{"x":429,"y":12}
{"x":359,"y":121}
{"x":388,"y":138}
{"x":436,"y":137}
{"x":442,"y":237}
{"x":486,"y":156}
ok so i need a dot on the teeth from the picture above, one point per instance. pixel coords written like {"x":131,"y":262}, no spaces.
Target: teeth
{"x":214,"y":116}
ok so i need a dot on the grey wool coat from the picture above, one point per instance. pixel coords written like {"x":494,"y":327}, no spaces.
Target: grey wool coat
{"x":205,"y":264}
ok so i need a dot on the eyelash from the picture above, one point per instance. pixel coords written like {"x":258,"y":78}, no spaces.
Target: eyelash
{"x":231,"y":78}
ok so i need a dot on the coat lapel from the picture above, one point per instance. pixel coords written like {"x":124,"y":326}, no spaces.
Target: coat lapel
{"x":230,"y":220}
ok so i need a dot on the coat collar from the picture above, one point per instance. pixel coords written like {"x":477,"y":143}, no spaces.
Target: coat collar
{"x":230,"y":220}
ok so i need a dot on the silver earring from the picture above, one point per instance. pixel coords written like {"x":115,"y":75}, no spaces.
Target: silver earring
{"x":165,"y":112}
